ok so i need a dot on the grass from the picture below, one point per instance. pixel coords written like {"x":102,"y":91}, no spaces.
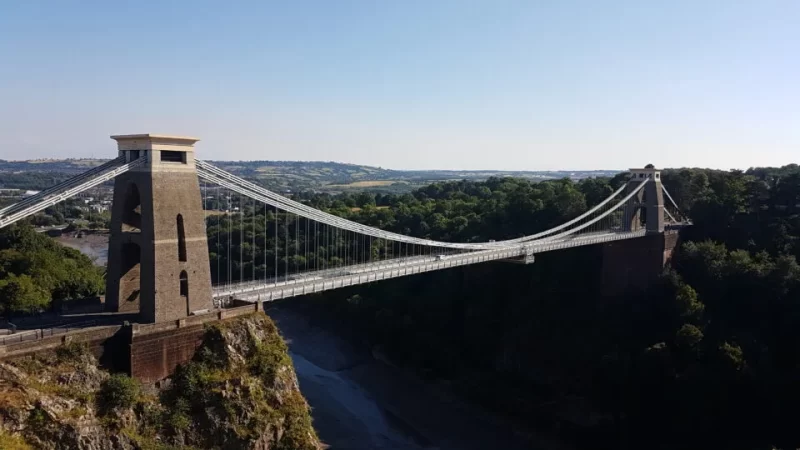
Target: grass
{"x":12,"y":442}
{"x":65,"y":359}
{"x":49,"y":388}
{"x":77,"y":412}
{"x":30,"y":364}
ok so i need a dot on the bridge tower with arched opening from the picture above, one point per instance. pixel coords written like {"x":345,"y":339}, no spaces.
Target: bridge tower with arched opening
{"x":646,"y":208}
{"x":157,"y":221}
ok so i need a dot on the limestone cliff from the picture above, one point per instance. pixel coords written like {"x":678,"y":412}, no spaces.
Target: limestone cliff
{"x":239,"y":392}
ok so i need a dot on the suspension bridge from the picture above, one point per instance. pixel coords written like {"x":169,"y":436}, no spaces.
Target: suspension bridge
{"x":269,"y":247}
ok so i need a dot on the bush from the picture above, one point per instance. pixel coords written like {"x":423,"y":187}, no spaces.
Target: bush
{"x":72,"y":351}
{"x":268,"y":357}
{"x":38,"y":419}
{"x":118,"y":391}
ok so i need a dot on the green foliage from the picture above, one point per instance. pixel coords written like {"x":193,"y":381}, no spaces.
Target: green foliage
{"x":299,"y":433}
{"x":35,"y":269}
{"x":731,"y":356}
{"x":212,"y":383}
{"x":178,"y":416}
{"x":72,"y":351}
{"x":688,"y":305}
{"x":688,"y":336}
{"x":463,"y":211}
{"x":268,"y":357}
{"x":19,"y":293}
{"x":38,"y":419}
{"x":118,"y":391}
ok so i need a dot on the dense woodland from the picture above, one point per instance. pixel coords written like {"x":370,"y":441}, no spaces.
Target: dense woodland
{"x":708,"y":357}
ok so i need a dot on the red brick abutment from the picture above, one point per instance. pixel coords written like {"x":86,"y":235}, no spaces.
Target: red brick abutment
{"x":636,"y":263}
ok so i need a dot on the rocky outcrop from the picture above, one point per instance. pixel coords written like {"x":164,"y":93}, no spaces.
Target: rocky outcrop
{"x":239,"y":392}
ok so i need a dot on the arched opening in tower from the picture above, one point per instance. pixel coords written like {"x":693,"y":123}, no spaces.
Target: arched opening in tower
{"x":132,"y":211}
{"x":181,"y":239}
{"x":643,"y":208}
{"x":130,"y":277}
{"x":184,"y":280}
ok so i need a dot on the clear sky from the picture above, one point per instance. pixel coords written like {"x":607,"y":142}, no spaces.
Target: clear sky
{"x":409,"y":84}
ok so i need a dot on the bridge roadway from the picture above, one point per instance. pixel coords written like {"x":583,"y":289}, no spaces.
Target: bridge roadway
{"x":323,"y":280}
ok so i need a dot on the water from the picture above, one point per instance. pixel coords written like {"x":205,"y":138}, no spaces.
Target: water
{"x":360,"y":403}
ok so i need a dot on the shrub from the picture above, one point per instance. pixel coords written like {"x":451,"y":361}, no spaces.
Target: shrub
{"x":268,"y":357}
{"x":72,"y":351}
{"x":37,"y":419}
{"x":118,"y":391}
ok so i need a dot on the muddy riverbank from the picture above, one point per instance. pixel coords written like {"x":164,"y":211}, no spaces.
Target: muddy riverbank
{"x":93,"y":245}
{"x":359,"y":402}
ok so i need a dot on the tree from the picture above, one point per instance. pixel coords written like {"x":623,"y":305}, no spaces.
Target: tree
{"x":688,"y":336}
{"x":20,"y":294}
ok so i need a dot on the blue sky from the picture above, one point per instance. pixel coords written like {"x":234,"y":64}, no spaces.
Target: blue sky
{"x":409,"y":84}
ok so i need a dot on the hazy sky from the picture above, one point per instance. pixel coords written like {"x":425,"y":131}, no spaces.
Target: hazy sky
{"x":409,"y":84}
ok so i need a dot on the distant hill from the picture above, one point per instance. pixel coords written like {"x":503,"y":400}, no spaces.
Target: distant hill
{"x":286,"y":175}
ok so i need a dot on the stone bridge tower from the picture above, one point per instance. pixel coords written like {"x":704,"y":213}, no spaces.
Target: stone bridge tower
{"x":635,"y":263}
{"x":158,"y":261}
{"x":650,"y":200}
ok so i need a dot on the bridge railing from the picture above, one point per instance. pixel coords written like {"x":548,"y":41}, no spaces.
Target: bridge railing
{"x":32,"y":335}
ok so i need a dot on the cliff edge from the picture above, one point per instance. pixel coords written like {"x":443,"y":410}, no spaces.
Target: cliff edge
{"x":239,"y":392}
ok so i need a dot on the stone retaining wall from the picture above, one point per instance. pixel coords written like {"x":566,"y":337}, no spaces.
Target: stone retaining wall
{"x":149,"y":352}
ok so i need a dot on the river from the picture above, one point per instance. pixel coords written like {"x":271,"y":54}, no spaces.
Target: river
{"x":359,"y":402}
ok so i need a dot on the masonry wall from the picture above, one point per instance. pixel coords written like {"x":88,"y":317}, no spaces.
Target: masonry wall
{"x":148,"y":352}
{"x":155,"y":356}
{"x":636,"y":263}
{"x":109,"y":344}
{"x":179,"y":193}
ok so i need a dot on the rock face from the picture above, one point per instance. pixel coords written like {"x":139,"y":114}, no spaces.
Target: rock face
{"x":239,"y":392}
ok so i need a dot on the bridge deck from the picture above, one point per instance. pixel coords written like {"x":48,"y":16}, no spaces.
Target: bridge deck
{"x":323,"y":280}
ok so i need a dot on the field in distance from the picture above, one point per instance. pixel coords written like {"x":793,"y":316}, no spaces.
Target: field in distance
{"x":286,"y":175}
